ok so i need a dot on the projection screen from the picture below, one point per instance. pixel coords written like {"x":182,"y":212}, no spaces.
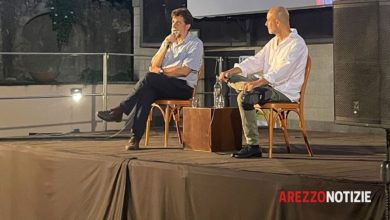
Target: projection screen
{"x":213,"y":8}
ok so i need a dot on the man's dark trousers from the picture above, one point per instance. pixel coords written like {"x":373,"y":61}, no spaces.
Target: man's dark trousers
{"x":150,"y":88}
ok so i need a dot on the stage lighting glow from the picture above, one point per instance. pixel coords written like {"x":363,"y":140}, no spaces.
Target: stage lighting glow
{"x":77,"y":94}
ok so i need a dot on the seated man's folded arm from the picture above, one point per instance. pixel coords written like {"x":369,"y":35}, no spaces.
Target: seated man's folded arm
{"x":177,"y":71}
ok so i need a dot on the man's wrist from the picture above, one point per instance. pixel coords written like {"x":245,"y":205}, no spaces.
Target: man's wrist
{"x":166,"y":44}
{"x":227,"y":74}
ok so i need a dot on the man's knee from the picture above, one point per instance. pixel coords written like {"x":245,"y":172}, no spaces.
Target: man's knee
{"x":241,"y":102}
{"x":152,"y":78}
{"x":150,"y":75}
{"x":248,"y":101}
{"x":239,"y":97}
{"x":257,"y":96}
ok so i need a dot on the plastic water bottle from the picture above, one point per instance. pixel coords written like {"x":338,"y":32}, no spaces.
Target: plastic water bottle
{"x":221,"y":102}
{"x":218,"y":99}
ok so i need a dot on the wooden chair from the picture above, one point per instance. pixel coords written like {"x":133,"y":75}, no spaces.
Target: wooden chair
{"x":281,"y":110}
{"x":169,"y":108}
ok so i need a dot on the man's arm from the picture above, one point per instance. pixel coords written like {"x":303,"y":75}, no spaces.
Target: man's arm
{"x":159,"y":56}
{"x":250,"y":65}
{"x":249,"y":86}
{"x":224,"y":76}
{"x":175,"y":71}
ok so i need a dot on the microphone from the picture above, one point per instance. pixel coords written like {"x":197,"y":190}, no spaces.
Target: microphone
{"x":175,"y":33}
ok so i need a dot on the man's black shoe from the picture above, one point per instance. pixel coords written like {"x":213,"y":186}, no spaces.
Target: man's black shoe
{"x":248,"y":152}
{"x":114,"y":114}
{"x":241,"y":150}
{"x":133,"y":144}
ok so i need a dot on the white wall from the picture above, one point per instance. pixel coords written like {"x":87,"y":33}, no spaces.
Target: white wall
{"x":19,"y":117}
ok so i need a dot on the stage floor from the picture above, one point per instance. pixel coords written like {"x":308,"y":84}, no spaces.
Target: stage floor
{"x":347,"y":156}
{"x":87,"y":176}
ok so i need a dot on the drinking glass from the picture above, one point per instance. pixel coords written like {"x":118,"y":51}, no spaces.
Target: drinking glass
{"x":195,"y":102}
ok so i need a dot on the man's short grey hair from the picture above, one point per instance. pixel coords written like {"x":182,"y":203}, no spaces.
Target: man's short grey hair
{"x":281,"y":13}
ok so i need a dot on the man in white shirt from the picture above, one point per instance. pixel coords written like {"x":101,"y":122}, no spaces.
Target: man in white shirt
{"x":282,"y":61}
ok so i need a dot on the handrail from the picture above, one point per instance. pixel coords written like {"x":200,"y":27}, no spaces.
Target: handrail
{"x":105,"y":57}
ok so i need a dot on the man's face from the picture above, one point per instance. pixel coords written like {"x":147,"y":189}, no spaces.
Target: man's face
{"x":178,"y":25}
{"x":271,"y":23}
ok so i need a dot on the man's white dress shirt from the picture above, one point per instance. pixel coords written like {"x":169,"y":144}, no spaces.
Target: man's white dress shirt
{"x":283,"y":65}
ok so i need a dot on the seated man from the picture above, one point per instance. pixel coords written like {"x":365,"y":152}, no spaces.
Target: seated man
{"x":282,"y":61}
{"x":173,"y":75}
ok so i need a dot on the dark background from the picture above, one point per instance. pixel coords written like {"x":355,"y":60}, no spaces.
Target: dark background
{"x":315,"y":25}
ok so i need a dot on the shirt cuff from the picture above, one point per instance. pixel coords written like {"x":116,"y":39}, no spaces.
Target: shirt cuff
{"x":269,"y":78}
{"x":244,"y":72}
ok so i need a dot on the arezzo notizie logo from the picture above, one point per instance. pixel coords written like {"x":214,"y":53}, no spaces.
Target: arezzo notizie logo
{"x":324,"y":196}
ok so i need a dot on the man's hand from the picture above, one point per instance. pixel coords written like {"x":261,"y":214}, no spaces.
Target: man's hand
{"x":249,"y":86}
{"x":170,"y":38}
{"x":224,"y":76}
{"x":159,"y":56}
{"x":154,"y":69}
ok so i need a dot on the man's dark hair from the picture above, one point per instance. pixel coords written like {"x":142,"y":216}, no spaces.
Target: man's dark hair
{"x":188,"y":19}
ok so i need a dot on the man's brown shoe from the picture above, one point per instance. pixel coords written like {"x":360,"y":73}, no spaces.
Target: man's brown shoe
{"x":114,"y":114}
{"x":133,"y":144}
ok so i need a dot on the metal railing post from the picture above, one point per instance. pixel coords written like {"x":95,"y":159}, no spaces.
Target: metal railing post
{"x":104,"y":93}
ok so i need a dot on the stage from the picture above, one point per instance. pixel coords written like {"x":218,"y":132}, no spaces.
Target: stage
{"x":92,"y":177}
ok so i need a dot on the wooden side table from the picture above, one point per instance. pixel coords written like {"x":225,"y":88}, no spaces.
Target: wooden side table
{"x":213,"y":130}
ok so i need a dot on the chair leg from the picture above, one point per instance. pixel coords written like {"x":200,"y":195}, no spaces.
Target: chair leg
{"x":304,"y":133}
{"x":176,"y":117}
{"x":270,"y":131}
{"x":283,"y":126}
{"x":167,"y":116}
{"x":147,"y":132}
{"x":265,"y":115}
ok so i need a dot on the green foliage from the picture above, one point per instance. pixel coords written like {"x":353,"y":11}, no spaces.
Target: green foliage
{"x":63,"y":14}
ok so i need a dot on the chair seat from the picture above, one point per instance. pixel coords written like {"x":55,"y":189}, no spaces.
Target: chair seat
{"x":184,"y":103}
{"x":275,"y":105}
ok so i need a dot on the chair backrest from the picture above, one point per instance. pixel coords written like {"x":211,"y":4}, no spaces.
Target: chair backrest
{"x":306,"y":79}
